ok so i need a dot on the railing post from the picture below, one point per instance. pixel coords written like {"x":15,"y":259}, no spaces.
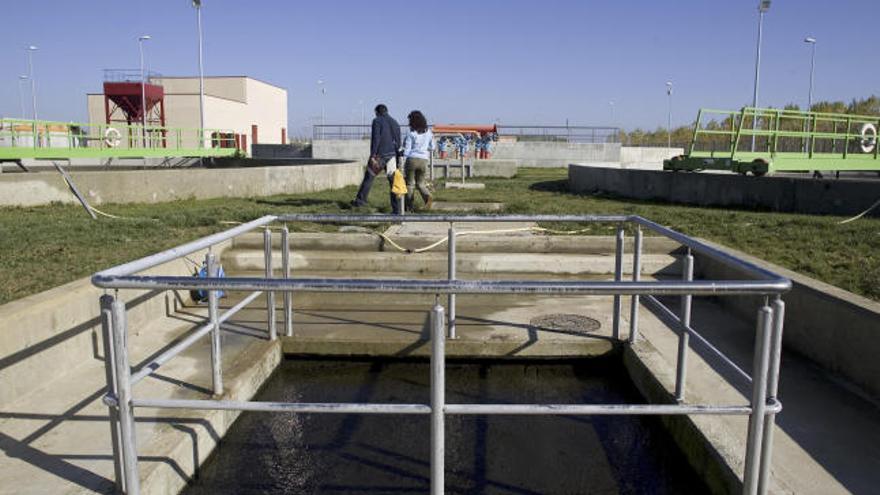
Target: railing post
{"x":772,"y":390}
{"x":618,"y":276}
{"x":270,"y":296}
{"x":214,"y":316}
{"x":684,"y":336}
{"x":285,"y":267}
{"x":438,"y":401}
{"x":634,"y":301}
{"x":451,"y":259}
{"x":758,"y":402}
{"x":112,"y":388}
{"x":126,"y":411}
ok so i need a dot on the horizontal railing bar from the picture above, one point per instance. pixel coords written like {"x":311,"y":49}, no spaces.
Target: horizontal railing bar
{"x":314,"y":407}
{"x":714,"y":253}
{"x":673,"y":320}
{"x":594,"y":409}
{"x":458,"y":409}
{"x":585,"y":287}
{"x":190,"y":339}
{"x":184,"y":249}
{"x":388,"y":218}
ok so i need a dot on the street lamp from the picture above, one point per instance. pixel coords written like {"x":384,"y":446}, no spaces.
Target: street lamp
{"x":323,"y":92}
{"x":611,"y":103}
{"x":763,"y":7}
{"x":669,"y":114}
{"x":21,"y":79}
{"x":198,"y":6}
{"x":30,"y":50}
{"x":812,"y":42}
{"x":141,"y":40}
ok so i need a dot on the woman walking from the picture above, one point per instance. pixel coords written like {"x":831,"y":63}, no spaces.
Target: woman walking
{"x":417,"y":147}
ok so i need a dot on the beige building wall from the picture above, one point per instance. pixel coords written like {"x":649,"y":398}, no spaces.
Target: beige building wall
{"x":231,"y":103}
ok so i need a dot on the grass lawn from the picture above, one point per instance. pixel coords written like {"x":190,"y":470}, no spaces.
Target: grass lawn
{"x":46,"y":246}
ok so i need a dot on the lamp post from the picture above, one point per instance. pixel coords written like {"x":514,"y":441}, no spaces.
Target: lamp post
{"x":198,"y":6}
{"x":323,"y":93}
{"x":669,"y":114}
{"x":21,"y":79}
{"x":611,"y":103}
{"x":141,"y":40}
{"x":812,"y":42}
{"x":763,"y":7}
{"x":30,"y":50}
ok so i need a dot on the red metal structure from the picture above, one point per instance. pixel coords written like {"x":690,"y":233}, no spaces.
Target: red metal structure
{"x":123,"y":101}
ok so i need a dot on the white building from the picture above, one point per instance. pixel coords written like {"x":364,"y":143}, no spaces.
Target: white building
{"x":253,"y":109}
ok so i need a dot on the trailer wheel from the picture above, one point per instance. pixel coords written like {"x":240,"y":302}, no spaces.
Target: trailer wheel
{"x":760,"y":167}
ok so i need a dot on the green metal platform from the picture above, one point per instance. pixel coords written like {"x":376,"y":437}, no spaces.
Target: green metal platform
{"x":762,"y":140}
{"x":20,"y":139}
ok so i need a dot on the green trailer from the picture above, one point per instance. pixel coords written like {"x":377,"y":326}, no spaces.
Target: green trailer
{"x":766,"y":140}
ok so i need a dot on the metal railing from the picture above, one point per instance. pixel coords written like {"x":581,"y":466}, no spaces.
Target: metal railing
{"x":761,"y":409}
{"x":130,"y":75}
{"x":540,"y":133}
{"x":22,"y":138}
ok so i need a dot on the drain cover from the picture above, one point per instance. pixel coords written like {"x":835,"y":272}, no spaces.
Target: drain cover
{"x":566,"y":322}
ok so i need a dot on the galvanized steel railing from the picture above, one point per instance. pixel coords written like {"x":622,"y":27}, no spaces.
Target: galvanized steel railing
{"x":764,"y":379}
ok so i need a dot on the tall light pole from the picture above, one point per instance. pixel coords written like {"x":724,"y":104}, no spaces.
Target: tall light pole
{"x":763,"y":7}
{"x":323,"y":92}
{"x":198,"y":6}
{"x":30,"y":50}
{"x":812,"y":42}
{"x":611,"y":103}
{"x":21,"y":79}
{"x":669,"y":114}
{"x":141,"y":40}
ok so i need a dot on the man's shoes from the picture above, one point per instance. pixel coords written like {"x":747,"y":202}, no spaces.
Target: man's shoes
{"x":357,"y":204}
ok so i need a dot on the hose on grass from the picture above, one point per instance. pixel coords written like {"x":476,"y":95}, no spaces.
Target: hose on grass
{"x":860,"y":215}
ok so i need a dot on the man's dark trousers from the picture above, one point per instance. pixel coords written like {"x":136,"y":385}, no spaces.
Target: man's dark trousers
{"x":367,"y":184}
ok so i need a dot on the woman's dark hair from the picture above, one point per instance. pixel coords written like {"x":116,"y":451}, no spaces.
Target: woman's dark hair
{"x":381,"y":109}
{"x":417,"y":122}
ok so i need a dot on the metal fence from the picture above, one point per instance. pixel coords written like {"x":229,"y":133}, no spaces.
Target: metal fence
{"x":560,"y":134}
{"x":761,"y":409}
{"x":130,"y":75}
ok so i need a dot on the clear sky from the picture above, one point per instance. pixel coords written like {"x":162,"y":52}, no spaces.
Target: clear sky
{"x":519,"y":62}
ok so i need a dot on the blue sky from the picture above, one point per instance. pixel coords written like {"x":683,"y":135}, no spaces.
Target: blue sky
{"x":521,"y":62}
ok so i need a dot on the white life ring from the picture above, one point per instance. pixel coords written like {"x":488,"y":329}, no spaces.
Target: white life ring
{"x":112,"y":137}
{"x":869,"y":138}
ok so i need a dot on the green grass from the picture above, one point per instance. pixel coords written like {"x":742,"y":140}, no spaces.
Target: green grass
{"x":42,"y":247}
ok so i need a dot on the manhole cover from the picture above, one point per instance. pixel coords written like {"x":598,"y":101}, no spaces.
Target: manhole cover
{"x":566,"y":322}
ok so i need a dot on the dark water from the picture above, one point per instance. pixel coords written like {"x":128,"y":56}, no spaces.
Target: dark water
{"x":311,"y":453}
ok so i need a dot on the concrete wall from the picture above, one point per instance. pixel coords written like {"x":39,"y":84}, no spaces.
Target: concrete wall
{"x":836,"y":329}
{"x":43,"y":335}
{"x":527,"y":154}
{"x":153,"y":186}
{"x":646,"y":158}
{"x":800,"y":195}
{"x":542,"y":154}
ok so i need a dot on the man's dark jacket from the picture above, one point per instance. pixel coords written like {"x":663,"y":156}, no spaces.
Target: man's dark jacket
{"x":385,"y":138}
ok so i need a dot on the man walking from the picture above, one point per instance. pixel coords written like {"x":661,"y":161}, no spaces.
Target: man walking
{"x":384,"y":145}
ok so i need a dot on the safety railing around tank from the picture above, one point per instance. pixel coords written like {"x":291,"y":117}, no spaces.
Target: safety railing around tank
{"x":22,"y":138}
{"x":764,"y":378}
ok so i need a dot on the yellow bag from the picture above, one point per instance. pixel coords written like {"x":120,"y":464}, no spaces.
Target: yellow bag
{"x":398,"y":184}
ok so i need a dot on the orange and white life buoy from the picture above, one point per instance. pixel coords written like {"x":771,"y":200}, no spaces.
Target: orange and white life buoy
{"x":112,"y":137}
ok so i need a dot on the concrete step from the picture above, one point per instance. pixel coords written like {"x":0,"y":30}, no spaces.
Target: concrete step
{"x":563,"y":244}
{"x":346,"y":263}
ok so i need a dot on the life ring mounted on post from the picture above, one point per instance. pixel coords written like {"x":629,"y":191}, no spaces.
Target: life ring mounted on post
{"x":112,"y":137}
{"x":869,"y":138}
